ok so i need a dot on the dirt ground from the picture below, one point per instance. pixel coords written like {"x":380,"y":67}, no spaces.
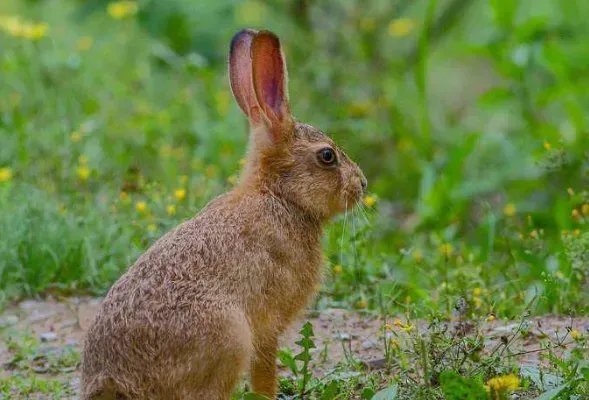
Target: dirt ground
{"x":340,"y":334}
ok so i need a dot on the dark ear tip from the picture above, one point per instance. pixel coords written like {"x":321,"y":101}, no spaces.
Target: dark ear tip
{"x":239,"y":36}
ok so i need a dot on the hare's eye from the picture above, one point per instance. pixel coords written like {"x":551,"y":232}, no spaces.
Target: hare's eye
{"x":327,"y":156}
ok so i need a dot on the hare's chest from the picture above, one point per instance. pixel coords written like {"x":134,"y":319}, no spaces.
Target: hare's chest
{"x":290,"y":284}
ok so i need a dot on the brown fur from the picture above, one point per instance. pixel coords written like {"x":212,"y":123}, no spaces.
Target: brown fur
{"x":209,"y":300}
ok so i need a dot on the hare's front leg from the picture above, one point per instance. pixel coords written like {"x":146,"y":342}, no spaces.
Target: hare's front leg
{"x":263,"y":368}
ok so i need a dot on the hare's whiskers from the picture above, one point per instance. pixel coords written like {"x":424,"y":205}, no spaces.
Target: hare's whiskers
{"x":354,"y":239}
{"x":341,"y":242}
{"x":363,"y":211}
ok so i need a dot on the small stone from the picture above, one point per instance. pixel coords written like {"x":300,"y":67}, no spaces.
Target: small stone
{"x":344,"y":337}
{"x":48,"y":336}
{"x":368,"y":344}
{"x":29,"y":304}
{"x":69,"y":322}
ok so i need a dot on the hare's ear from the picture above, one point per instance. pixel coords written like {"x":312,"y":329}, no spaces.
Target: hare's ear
{"x":240,"y":71}
{"x":270,"y":78}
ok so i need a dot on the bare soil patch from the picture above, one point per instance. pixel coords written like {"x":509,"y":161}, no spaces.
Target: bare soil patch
{"x":341,"y":335}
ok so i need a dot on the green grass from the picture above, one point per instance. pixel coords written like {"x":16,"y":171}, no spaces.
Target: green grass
{"x":472,"y":129}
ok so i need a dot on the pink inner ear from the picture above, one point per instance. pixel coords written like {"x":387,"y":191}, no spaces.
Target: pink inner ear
{"x":240,"y":70}
{"x":269,"y":76}
{"x":273,"y":97}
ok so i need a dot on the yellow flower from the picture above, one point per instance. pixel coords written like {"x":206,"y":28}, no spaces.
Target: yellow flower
{"x":559,"y":275}
{"x":534,"y":234}
{"x":36,"y":31}
{"x":418,"y":255}
{"x":546,"y":146}
{"x":477,"y":291}
{"x":491,"y":318}
{"x":141,"y":206}
{"x":242,"y":162}
{"x":180,"y":194}
{"x":338,"y":269}
{"x":210,"y":171}
{"x":15,"y":27}
{"x":401,"y":27}
{"x":171,"y":209}
{"x":369,"y":201}
{"x":232,"y":180}
{"x":477,"y":302}
{"x":75,"y":137}
{"x":394,"y":342}
{"x":505,"y":383}
{"x":575,"y":334}
{"x":575,"y":213}
{"x":151,"y":227}
{"x":83,"y":172}
{"x":124,"y":195}
{"x":576,"y":232}
{"x":446,"y":249}
{"x":362,"y":304}
{"x":85,"y":43}
{"x":397,"y":322}
{"x":122,"y":9}
{"x":5,"y":174}
{"x":585,"y":209}
{"x":360,"y":108}
{"x":509,"y":210}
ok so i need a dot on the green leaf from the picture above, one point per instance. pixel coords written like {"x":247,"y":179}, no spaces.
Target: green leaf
{"x":496,"y":97}
{"x":541,"y":379}
{"x":457,"y":387}
{"x":288,"y":360}
{"x":504,"y":12}
{"x":330,"y":391}
{"x":307,"y":330}
{"x":551,"y":394}
{"x":367,"y":393}
{"x":389,"y":393}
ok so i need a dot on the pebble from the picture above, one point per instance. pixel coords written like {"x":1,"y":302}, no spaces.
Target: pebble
{"x":48,"y":336}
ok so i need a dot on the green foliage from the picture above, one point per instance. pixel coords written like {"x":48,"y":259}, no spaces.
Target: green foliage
{"x":299,"y":364}
{"x":101,"y":115}
{"x":390,"y":393}
{"x":456,"y":387}
{"x":470,"y":125}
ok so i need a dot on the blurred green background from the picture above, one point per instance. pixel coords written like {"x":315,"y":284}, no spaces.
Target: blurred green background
{"x":469,"y":118}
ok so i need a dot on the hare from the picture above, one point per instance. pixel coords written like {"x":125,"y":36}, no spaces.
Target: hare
{"x":209,"y":300}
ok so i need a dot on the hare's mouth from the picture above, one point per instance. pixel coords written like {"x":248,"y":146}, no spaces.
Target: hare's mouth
{"x":352,"y":197}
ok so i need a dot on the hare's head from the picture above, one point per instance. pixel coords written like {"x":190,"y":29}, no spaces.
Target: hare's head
{"x":293,"y":161}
